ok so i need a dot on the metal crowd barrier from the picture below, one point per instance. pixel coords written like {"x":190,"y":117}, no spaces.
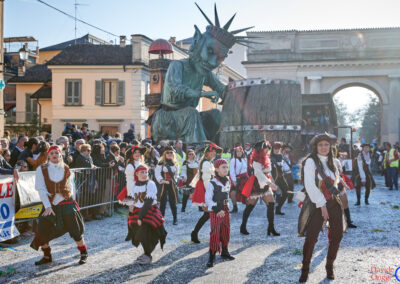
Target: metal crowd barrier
{"x":95,"y":188}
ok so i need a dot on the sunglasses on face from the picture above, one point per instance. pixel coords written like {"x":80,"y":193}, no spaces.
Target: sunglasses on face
{"x":169,"y":152}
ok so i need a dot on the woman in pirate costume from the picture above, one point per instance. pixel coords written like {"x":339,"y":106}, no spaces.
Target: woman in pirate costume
{"x":239,"y":176}
{"x":166,"y":173}
{"x":204,"y":175}
{"x":321,"y":179}
{"x":61,"y":213}
{"x":344,"y":184}
{"x":260,"y":185}
{"x":278,"y":175}
{"x":362,"y":173}
{"x":145,"y":222}
{"x":188,"y":172}
{"x":217,"y":194}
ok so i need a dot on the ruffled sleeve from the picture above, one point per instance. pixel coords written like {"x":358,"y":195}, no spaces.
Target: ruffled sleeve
{"x":259,"y":172}
{"x":313,"y":191}
{"x":40,"y":186}
{"x":207,"y":170}
{"x":129,"y":175}
{"x":151,"y":190}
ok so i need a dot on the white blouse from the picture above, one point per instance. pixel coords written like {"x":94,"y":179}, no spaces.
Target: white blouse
{"x":137,"y":190}
{"x":241,"y":168}
{"x":162,"y":168}
{"x":210,"y":192}
{"x":56,"y":174}
{"x":313,"y":191}
{"x":129,"y":176}
{"x":190,"y":165}
{"x":260,"y":173}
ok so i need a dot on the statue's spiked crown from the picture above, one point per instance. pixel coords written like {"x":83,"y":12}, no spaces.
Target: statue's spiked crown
{"x":222,"y":34}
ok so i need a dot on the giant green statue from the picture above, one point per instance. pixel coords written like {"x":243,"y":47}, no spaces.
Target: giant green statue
{"x":177,"y":117}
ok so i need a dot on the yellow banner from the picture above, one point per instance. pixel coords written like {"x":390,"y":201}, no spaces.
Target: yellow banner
{"x":29,"y":212}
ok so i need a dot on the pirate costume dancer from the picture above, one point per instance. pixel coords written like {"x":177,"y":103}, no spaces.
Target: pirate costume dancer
{"x":204,"y":175}
{"x":61,"y":213}
{"x":278,"y":175}
{"x":322,"y":202}
{"x":145,"y":221}
{"x":217,"y":194}
{"x":260,"y":185}
{"x":239,"y":176}
{"x":166,"y":173}
{"x":188,"y":172}
{"x":134,"y":158}
{"x":362,"y":175}
{"x":287,"y":171}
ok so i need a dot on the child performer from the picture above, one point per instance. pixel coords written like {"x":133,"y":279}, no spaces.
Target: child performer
{"x":217,"y":194}
{"x":145,"y":222}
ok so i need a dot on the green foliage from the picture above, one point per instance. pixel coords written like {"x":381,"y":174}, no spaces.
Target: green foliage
{"x":370,"y":125}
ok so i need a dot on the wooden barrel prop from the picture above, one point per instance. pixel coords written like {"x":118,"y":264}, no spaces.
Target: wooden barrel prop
{"x":256,"y":109}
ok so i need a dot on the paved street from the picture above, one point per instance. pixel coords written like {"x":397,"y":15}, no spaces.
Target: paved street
{"x":259,"y":259}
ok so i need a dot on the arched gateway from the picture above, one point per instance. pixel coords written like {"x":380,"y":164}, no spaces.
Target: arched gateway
{"x":326,"y":61}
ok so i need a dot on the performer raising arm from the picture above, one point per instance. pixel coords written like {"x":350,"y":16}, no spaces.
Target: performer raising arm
{"x":61,"y":213}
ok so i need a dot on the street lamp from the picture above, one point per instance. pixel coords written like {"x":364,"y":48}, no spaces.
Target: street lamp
{"x":24,"y":52}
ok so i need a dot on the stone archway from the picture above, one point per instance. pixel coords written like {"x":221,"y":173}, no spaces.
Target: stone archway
{"x":371,"y":85}
{"x":327,"y":61}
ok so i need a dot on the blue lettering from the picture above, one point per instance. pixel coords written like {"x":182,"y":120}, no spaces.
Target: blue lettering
{"x":4,"y":211}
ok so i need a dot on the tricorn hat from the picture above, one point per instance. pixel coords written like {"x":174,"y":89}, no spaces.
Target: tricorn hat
{"x":212,"y":147}
{"x":262,"y":145}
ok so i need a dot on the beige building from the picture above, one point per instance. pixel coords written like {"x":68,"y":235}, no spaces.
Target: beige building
{"x":103,"y":86}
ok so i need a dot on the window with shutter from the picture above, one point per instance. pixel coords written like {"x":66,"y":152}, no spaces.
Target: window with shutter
{"x":110,"y":92}
{"x":121,"y":93}
{"x":73,"y":92}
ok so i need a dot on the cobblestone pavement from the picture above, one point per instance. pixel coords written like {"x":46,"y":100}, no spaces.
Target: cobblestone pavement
{"x":259,"y":259}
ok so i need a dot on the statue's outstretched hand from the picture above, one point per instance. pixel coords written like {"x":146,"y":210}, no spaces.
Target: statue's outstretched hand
{"x":212,"y":95}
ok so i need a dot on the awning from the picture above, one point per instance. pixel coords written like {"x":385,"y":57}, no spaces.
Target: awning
{"x":8,"y":106}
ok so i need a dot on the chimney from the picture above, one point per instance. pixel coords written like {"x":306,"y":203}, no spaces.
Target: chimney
{"x":172,"y":40}
{"x":21,"y":71}
{"x":122,"y":41}
{"x":37,"y":50}
{"x":136,"y":41}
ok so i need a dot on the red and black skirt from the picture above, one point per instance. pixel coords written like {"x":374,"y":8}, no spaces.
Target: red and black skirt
{"x":152,"y":229}
{"x":252,"y":188}
{"x":241,"y":181}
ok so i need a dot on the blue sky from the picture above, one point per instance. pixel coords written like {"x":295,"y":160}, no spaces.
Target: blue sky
{"x":165,"y":18}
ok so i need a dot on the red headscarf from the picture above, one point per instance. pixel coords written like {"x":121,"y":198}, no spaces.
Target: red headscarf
{"x":54,"y":148}
{"x":139,"y":168}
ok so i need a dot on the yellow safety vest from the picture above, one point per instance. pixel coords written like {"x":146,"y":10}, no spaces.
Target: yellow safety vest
{"x":394,"y":164}
{"x":180,"y":160}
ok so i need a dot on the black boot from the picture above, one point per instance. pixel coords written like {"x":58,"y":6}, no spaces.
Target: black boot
{"x":246,"y":214}
{"x":278,"y":210}
{"x":184,"y":202}
{"x":194,"y":237}
{"x":203,"y":219}
{"x":358,"y":199}
{"x":348,"y":219}
{"x":226,"y":255}
{"x":46,"y":257}
{"x":366,"y":197}
{"x":211,"y":259}
{"x":84,"y":254}
{"x":235,"y":209}
{"x":270,"y":215}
